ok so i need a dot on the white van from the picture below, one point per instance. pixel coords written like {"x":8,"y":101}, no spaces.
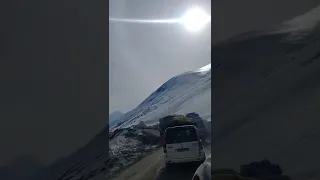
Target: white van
{"x":183,"y":144}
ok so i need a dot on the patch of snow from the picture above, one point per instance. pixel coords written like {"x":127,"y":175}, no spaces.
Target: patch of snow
{"x":204,"y":69}
{"x":122,"y":143}
{"x":153,"y":132}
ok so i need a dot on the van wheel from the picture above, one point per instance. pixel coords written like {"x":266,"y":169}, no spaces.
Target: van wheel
{"x":169,"y":167}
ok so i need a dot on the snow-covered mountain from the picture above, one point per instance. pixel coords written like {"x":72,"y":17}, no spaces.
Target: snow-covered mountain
{"x":114,"y":118}
{"x":187,"y":92}
{"x":266,"y":98}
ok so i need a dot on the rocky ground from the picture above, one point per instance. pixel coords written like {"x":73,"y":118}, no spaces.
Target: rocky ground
{"x":128,"y":146}
{"x":99,"y":160}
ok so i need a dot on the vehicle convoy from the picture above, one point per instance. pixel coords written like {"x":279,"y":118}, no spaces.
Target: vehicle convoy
{"x":179,"y":120}
{"x":182,"y":144}
{"x":182,"y":138}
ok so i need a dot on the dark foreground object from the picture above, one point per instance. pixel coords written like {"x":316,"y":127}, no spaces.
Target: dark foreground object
{"x":260,"y":170}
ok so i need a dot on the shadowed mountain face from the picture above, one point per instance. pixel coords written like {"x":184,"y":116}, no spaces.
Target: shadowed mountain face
{"x":245,"y":65}
{"x":231,"y":17}
{"x":22,"y":168}
{"x":266,"y":98}
{"x":53,"y":77}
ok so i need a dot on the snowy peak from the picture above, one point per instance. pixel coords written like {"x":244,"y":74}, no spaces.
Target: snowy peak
{"x":114,"y":118}
{"x":172,"y":97}
{"x":115,"y":115}
{"x":204,"y":69}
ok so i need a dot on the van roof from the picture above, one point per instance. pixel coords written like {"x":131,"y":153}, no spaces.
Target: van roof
{"x":180,"y":127}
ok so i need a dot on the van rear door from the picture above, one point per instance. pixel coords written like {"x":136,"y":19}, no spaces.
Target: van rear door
{"x":182,"y":142}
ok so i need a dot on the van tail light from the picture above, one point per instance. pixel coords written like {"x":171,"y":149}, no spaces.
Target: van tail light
{"x":164,"y":144}
{"x":198,"y":136}
{"x":199,"y":140}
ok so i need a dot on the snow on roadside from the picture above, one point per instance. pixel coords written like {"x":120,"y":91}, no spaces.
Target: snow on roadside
{"x":129,"y":146}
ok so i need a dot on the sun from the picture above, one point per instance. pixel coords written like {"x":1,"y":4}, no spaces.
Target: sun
{"x":195,"y":19}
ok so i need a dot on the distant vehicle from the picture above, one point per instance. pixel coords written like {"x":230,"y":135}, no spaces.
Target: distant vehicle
{"x":199,"y":123}
{"x":182,"y":144}
{"x":204,"y":170}
{"x":202,"y":129}
{"x":180,"y":120}
{"x":173,"y":120}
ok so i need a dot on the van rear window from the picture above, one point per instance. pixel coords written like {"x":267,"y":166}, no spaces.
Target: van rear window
{"x":180,"y":135}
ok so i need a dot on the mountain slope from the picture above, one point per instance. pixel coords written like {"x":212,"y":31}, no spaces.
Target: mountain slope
{"x":184,"y":93}
{"x":266,"y":98}
{"x":114,"y":118}
{"x":22,"y":168}
{"x":188,"y":92}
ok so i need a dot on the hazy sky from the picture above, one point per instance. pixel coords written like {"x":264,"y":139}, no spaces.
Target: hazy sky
{"x":144,"y":56}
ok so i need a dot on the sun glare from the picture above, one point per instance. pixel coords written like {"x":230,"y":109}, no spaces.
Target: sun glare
{"x":195,"y":19}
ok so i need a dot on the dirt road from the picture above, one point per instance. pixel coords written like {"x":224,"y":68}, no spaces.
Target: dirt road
{"x":152,"y":167}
